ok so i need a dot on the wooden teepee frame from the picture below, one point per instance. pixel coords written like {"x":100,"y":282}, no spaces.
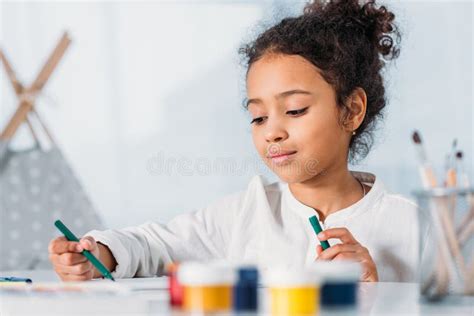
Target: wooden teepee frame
{"x":27,"y":96}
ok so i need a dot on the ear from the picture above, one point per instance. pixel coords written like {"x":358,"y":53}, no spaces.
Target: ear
{"x":354,"y":111}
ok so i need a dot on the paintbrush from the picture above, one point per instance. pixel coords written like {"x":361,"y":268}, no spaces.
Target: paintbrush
{"x":466,"y":226}
{"x":427,"y":175}
{"x":451,"y":179}
{"x":440,"y":276}
{"x":443,"y":224}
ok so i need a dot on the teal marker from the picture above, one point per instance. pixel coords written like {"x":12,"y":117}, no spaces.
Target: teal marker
{"x":97,"y":264}
{"x":317,"y":229}
{"x":15,"y":279}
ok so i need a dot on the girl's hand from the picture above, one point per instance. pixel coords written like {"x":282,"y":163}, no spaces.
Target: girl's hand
{"x":350,"y":249}
{"x":67,"y":260}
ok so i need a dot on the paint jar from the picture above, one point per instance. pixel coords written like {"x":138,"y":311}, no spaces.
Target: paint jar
{"x":293,"y":291}
{"x":175,"y":288}
{"x":207,"y":286}
{"x":340,"y":280}
{"x":245,"y":295}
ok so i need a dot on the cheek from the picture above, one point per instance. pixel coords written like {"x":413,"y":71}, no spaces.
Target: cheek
{"x":311,"y":129}
{"x":318,"y":136}
{"x":258,"y":142}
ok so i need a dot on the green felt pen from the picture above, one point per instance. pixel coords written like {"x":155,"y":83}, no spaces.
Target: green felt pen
{"x":97,"y":264}
{"x":317,"y":229}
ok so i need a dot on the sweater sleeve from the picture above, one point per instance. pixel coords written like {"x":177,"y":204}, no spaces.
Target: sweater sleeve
{"x":144,"y":250}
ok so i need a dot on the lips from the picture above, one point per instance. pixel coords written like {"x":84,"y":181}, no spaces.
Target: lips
{"x":282,"y":153}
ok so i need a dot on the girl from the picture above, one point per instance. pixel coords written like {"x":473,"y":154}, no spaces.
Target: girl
{"x":315,"y":93}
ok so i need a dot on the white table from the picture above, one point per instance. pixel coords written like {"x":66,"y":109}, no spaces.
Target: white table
{"x":150,"y":297}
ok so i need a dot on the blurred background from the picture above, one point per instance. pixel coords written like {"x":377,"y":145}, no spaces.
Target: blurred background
{"x":147,"y":102}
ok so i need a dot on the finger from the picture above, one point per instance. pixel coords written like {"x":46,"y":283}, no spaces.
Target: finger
{"x":73,"y":270}
{"x":341,"y":232}
{"x":319,"y":249}
{"x":53,"y":258}
{"x":79,"y":277}
{"x":62,"y":245}
{"x":77,"y":269}
{"x":353,"y":256}
{"x":71,"y":258}
{"x":68,"y":258}
{"x":331,"y":252}
{"x":88,"y":243}
{"x":369,"y":274}
{"x":366,"y":273}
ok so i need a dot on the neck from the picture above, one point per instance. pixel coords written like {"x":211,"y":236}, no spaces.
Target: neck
{"x":329,"y":191}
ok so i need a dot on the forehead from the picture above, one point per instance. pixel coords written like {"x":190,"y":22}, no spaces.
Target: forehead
{"x":276,"y":72}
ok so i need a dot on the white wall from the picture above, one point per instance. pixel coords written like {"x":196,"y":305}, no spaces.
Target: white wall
{"x":145,"y":83}
{"x":430,"y":88}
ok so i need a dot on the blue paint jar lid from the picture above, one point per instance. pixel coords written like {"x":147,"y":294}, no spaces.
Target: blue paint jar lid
{"x":245,"y":294}
{"x":247,"y":275}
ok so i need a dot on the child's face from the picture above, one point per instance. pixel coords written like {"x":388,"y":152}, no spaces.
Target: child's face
{"x":277,"y":85}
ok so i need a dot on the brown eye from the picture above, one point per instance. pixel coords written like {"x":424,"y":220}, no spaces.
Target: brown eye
{"x":257,"y":120}
{"x":297,"y":112}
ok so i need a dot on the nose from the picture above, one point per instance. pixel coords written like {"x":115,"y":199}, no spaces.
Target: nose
{"x":275,"y":132}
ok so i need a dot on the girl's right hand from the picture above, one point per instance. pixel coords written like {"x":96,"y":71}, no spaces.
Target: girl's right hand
{"x":67,"y":260}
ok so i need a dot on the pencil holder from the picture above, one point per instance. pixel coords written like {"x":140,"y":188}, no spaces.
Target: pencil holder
{"x":446,"y":222}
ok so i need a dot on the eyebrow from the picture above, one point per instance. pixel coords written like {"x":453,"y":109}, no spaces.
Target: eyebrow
{"x":280,"y":96}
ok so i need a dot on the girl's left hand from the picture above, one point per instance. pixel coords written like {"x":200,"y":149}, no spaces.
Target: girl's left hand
{"x":350,"y":249}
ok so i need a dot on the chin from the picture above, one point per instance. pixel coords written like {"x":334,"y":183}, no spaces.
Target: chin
{"x":296,"y":170}
{"x":292,"y":175}
{"x":296,"y":175}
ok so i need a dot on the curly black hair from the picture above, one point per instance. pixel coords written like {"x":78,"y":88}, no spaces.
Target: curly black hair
{"x":350,"y":43}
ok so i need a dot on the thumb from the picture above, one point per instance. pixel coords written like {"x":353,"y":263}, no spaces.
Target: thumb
{"x":88,"y":243}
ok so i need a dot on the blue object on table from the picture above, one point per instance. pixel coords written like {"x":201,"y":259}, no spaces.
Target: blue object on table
{"x":15,"y":279}
{"x":245,"y":290}
{"x":339,"y":294}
